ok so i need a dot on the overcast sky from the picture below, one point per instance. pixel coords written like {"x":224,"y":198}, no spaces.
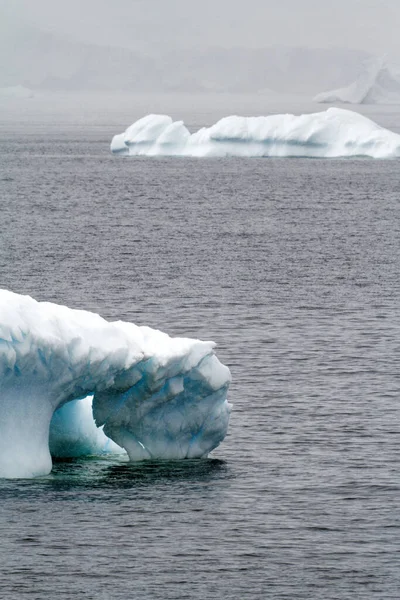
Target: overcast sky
{"x":372,"y":25}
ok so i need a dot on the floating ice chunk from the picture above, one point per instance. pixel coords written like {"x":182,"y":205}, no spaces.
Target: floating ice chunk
{"x":332,"y":133}
{"x":157,"y":396}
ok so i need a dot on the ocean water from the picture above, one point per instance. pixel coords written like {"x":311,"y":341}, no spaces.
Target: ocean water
{"x":292,"y":267}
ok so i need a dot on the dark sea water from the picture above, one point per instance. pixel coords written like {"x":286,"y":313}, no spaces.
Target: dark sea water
{"x":292,"y":267}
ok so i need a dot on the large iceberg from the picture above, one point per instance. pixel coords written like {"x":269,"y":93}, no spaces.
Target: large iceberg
{"x":332,"y":133}
{"x":155,"y":396}
{"x":377,"y":84}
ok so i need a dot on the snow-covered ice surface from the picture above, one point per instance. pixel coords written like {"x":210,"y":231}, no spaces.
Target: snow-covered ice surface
{"x":377,"y":84}
{"x":332,"y":133}
{"x":156,"y":396}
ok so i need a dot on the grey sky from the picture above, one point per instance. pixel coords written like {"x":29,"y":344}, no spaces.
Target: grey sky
{"x":372,"y":25}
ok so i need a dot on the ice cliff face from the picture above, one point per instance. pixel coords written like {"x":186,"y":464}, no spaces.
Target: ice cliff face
{"x":377,"y":84}
{"x":332,"y":133}
{"x":156,"y":396}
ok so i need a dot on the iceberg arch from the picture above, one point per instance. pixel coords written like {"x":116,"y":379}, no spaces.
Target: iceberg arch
{"x":332,"y":133}
{"x":73,"y":432}
{"x":155,"y":396}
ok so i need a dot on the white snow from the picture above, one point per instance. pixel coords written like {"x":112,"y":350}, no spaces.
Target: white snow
{"x":156,"y":396}
{"x":332,"y":133}
{"x":377,"y":84}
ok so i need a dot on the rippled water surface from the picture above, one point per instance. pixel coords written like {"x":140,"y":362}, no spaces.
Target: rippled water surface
{"x":292,"y":267}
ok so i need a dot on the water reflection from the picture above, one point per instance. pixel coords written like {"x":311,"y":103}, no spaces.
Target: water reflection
{"x":94,"y":473}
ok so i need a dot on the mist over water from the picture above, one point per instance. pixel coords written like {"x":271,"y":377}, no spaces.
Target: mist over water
{"x":291,"y":266}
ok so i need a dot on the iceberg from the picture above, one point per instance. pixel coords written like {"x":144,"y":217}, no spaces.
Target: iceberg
{"x":16,"y":92}
{"x":332,"y":133}
{"x":377,"y":84}
{"x":155,"y":396}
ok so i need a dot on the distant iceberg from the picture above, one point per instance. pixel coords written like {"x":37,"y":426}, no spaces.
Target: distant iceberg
{"x":155,"y":396}
{"x":332,"y":133}
{"x":16,"y":92}
{"x":377,"y":84}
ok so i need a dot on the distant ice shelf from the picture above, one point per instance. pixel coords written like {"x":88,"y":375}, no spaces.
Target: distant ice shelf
{"x":332,"y":133}
{"x":377,"y":84}
{"x":155,"y":396}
